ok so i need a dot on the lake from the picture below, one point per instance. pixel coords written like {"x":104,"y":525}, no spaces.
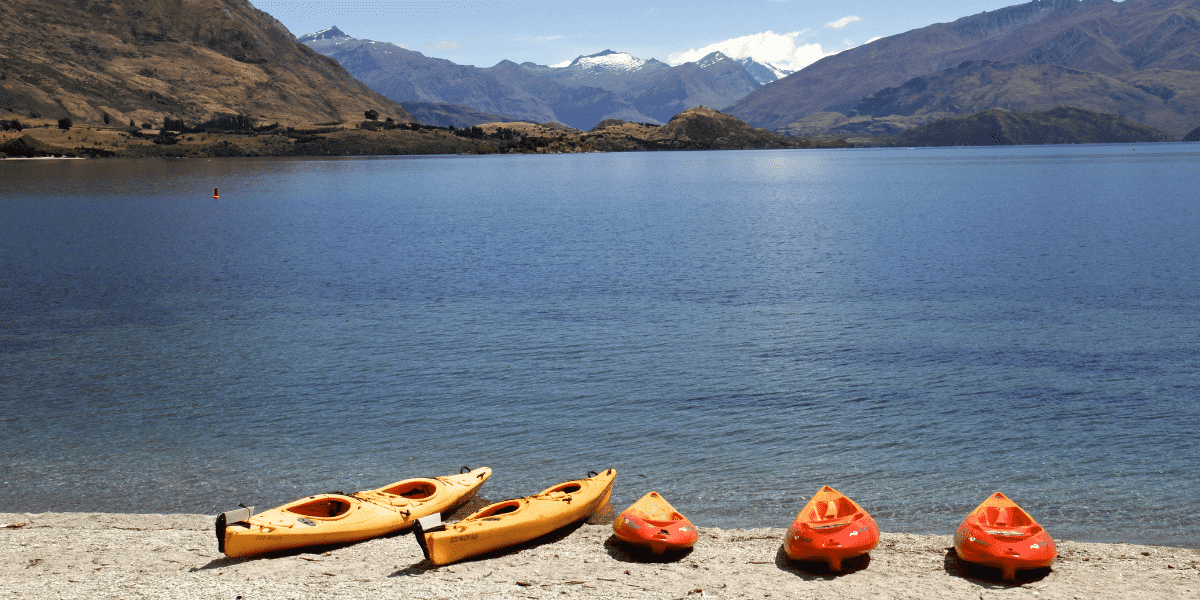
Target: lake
{"x":917,"y":328}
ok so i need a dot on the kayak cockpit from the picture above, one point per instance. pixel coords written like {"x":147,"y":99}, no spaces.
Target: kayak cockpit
{"x":1008,"y":517}
{"x":497,"y":510}
{"x":322,"y":508}
{"x":832,"y":512}
{"x":569,"y":487}
{"x":413,"y":490}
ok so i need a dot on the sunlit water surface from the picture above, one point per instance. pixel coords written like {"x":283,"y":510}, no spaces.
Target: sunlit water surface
{"x":916,"y":328}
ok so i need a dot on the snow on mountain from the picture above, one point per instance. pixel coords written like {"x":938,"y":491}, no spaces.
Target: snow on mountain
{"x":711,"y":60}
{"x":764,"y":73}
{"x":325,"y":34}
{"x":609,"y":61}
{"x":782,"y":54}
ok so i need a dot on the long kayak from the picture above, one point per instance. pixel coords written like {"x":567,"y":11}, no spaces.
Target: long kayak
{"x":512,"y":522}
{"x":342,"y":518}
{"x":653,"y":523}
{"x":831,"y":528}
{"x":1000,"y":534}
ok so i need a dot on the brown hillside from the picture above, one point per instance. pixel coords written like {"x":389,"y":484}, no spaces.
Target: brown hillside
{"x":1001,"y":127}
{"x":142,"y":61}
{"x":1113,"y":39}
{"x":1167,"y":100}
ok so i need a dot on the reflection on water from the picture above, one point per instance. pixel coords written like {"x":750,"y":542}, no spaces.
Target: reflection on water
{"x":917,"y":328}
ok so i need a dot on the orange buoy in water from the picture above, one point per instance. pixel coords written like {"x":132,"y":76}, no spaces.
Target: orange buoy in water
{"x":216,"y":194}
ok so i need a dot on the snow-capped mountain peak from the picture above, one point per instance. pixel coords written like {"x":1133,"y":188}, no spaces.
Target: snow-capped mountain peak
{"x":715,"y":58}
{"x":763,"y":72}
{"x":609,"y":60}
{"x":325,"y":34}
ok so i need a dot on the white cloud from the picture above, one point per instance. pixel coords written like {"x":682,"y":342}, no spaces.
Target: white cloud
{"x":842,"y":22}
{"x":779,"y":49}
{"x":447,"y":45}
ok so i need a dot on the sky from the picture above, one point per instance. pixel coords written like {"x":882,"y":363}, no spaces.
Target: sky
{"x":789,"y":34}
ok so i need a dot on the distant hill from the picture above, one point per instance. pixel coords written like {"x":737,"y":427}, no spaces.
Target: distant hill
{"x":124,"y":61}
{"x":409,"y":76}
{"x":1162,"y":99}
{"x":1001,"y":127}
{"x":505,"y":89}
{"x":715,"y":81}
{"x":1193,"y":135}
{"x":610,"y":70}
{"x":1119,"y":40}
{"x":442,"y":114}
{"x":591,"y":89}
{"x":658,"y":90}
{"x":579,"y":107}
{"x":694,"y":129}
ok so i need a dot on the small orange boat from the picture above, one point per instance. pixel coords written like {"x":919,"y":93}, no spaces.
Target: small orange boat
{"x":653,"y":523}
{"x":1000,"y":534}
{"x":831,"y":528}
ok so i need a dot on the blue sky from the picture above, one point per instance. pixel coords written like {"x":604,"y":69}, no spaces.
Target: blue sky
{"x":789,"y":33}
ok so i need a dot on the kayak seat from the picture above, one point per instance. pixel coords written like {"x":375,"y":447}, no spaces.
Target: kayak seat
{"x":832,"y":510}
{"x":1006,"y":517}
{"x":324,"y":508}
{"x":413,"y":490}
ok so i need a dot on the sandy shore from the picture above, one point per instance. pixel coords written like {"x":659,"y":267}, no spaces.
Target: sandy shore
{"x":85,"y":555}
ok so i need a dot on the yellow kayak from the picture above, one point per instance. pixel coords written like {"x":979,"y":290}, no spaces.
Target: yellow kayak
{"x":511,"y":522}
{"x":343,"y":518}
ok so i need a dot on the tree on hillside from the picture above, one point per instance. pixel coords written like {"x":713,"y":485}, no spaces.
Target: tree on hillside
{"x":65,"y":124}
{"x":372,"y":115}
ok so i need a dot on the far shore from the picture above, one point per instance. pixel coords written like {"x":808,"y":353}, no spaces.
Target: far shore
{"x":102,"y":555}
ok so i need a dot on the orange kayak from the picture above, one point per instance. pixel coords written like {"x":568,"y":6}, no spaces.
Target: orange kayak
{"x":343,"y":518}
{"x":831,"y":528}
{"x":1000,"y":534}
{"x":512,"y":522}
{"x":653,"y":523}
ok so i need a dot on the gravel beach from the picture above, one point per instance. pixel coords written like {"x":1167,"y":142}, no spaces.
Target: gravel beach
{"x":99,"y":555}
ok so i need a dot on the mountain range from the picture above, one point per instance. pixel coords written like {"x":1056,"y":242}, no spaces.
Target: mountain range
{"x":590,"y":89}
{"x":170,"y":61}
{"x":1137,"y":58}
{"x":133,"y":61}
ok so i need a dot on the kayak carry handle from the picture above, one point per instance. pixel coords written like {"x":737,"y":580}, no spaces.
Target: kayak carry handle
{"x":464,"y":470}
{"x":592,"y":473}
{"x":230,"y":517}
{"x":427,"y":524}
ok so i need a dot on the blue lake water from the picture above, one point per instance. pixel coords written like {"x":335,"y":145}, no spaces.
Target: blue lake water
{"x":916,"y":328}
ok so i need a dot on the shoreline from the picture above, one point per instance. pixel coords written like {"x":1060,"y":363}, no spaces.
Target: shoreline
{"x":89,"y":555}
